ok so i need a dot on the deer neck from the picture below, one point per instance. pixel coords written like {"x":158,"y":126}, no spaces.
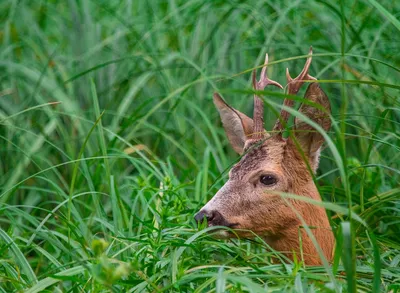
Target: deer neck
{"x":295,"y":240}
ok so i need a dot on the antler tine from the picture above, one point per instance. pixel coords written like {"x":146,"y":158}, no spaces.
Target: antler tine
{"x":264,"y":80}
{"x":258,"y":114}
{"x":294,"y":86}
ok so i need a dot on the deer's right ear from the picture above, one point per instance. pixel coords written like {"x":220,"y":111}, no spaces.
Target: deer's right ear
{"x":309,"y":139}
{"x":238,"y":127}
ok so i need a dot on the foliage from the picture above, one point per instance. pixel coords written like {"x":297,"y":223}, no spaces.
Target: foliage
{"x":109,"y":142}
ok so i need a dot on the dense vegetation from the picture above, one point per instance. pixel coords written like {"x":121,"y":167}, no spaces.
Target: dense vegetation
{"x":110,"y":142}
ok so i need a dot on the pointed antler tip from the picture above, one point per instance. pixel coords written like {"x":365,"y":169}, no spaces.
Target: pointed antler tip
{"x":310,"y":52}
{"x":288,"y":77}
{"x":309,"y":77}
{"x":266,"y":59}
{"x":278,"y":85}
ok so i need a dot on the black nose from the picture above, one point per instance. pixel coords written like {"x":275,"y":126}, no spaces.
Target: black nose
{"x":213,"y":217}
{"x":200,"y":216}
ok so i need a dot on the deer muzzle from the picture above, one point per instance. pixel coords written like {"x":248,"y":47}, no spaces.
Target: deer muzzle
{"x":213,"y":217}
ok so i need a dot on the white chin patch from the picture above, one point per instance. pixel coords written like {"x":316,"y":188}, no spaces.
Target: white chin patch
{"x":221,"y":234}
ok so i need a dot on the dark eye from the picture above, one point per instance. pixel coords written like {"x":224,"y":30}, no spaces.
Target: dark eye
{"x":268,"y":179}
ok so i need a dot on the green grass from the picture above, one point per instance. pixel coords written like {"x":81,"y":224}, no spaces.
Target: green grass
{"x":110,"y":142}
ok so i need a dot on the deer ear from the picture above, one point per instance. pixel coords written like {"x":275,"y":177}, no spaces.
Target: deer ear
{"x":238,"y":127}
{"x":310,"y":139}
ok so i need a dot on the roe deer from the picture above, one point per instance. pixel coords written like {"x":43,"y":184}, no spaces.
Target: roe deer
{"x":249,"y":200}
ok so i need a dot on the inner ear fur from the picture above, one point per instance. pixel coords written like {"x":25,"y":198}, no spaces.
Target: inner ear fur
{"x":310,"y":139}
{"x":238,"y":127}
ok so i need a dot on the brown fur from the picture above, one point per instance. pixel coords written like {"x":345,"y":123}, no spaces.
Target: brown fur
{"x":267,"y":214}
{"x":249,"y":206}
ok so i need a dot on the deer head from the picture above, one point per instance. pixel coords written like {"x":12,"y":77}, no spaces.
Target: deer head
{"x":250,"y":202}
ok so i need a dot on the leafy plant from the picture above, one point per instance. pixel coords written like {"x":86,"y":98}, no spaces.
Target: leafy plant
{"x":109,"y":142}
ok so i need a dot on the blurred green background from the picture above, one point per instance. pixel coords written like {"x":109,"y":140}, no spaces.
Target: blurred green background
{"x":110,"y":142}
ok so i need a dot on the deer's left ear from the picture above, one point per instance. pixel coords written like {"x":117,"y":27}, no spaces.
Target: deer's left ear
{"x":310,"y":139}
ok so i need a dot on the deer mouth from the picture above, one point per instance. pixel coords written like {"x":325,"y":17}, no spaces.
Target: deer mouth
{"x":222,"y":233}
{"x":232,"y":225}
{"x":224,"y":224}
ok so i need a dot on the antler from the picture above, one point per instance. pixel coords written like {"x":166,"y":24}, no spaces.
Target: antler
{"x":258,"y":114}
{"x":294,"y":86}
